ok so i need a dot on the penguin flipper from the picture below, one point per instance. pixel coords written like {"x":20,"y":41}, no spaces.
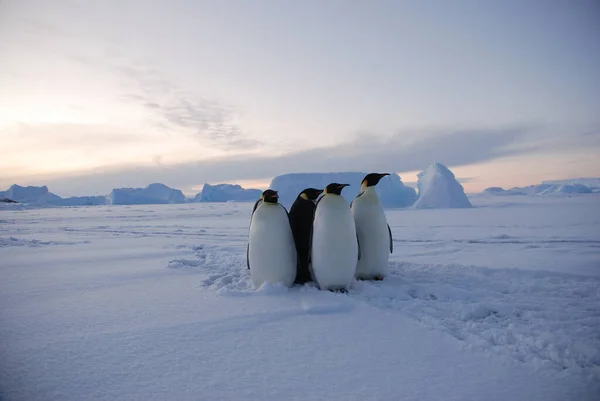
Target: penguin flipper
{"x":357,"y":196}
{"x":255,"y":206}
{"x":248,"y":256}
{"x":358,"y":243}
{"x":391,"y":241}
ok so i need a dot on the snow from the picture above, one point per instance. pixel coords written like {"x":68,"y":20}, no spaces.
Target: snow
{"x":438,"y":189}
{"x":152,"y":194}
{"x":392,"y":192}
{"x":227,"y":192}
{"x":496,"y":302}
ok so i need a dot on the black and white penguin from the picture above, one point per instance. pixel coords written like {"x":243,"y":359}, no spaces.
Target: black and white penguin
{"x":271,"y":252}
{"x":334,"y":245}
{"x":301,"y":219}
{"x":373,"y":231}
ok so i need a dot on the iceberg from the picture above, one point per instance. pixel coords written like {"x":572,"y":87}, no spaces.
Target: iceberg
{"x":227,"y":192}
{"x":439,"y":189}
{"x":392,"y":192}
{"x":566,"y":189}
{"x":591,"y":183}
{"x":84,"y":201}
{"x":544,"y":189}
{"x":152,"y":194}
{"x":31,"y":195}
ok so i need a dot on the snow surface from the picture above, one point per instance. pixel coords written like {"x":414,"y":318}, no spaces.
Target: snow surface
{"x":439,"y":189}
{"x":496,"y":302}
{"x":227,"y":192}
{"x":392,"y":192}
{"x":152,"y":194}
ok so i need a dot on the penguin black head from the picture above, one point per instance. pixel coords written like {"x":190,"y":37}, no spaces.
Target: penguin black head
{"x":335,"y":188}
{"x":270,"y":196}
{"x":310,"y":194}
{"x":372,"y":179}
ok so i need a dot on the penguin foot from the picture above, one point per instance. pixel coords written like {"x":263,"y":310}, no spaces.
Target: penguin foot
{"x":378,"y":278}
{"x":340,"y":290}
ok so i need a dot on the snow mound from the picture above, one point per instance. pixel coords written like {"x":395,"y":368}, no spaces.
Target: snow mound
{"x":31,"y":194}
{"x":227,"y":192}
{"x":392,"y":192}
{"x":152,"y":194}
{"x":439,"y":189}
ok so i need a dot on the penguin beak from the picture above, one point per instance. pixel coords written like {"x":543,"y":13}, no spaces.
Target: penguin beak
{"x":344,"y":185}
{"x":383,"y":175}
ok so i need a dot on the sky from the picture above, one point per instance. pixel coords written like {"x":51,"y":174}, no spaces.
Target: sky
{"x":96,"y":95}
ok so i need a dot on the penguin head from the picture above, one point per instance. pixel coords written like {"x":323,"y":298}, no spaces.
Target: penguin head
{"x":335,"y":189}
{"x":372,"y":179}
{"x":311,"y":194}
{"x":270,"y":196}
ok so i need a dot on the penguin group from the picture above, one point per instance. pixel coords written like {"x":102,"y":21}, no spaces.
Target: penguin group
{"x":321,"y":239}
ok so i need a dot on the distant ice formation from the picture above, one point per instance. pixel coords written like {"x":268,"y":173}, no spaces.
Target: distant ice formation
{"x":152,"y":194}
{"x":591,"y":183}
{"x":227,"y":192}
{"x":439,"y":189}
{"x":544,"y":189}
{"x":31,"y":194}
{"x":392,"y":192}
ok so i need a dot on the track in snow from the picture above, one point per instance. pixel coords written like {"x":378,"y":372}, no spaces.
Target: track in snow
{"x":549,"y":320}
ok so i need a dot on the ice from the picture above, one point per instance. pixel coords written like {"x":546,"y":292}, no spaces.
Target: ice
{"x":566,"y":189}
{"x":227,"y":192}
{"x":544,"y":189}
{"x":588,"y":182}
{"x":438,"y":189}
{"x":152,"y":194}
{"x":392,"y":192}
{"x":496,"y":302}
{"x":30,"y":194}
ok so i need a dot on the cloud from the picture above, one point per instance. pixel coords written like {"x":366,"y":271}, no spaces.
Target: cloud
{"x":209,"y":121}
{"x":367,"y":153}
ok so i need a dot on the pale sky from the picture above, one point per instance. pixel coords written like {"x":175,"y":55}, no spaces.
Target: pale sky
{"x":99,"y":94}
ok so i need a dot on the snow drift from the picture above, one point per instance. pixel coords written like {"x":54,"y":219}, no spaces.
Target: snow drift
{"x":439,"y":189}
{"x":152,"y":194}
{"x":227,"y":192}
{"x":392,"y":192}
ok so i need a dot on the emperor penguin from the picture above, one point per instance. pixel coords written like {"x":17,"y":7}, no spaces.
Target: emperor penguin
{"x":271,"y":252}
{"x":334,"y":248}
{"x":373,"y":231}
{"x":301,"y":219}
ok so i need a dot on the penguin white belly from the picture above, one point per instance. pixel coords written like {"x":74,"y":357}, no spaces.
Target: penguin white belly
{"x":373,"y":236}
{"x":334,"y":249}
{"x":271,"y":248}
